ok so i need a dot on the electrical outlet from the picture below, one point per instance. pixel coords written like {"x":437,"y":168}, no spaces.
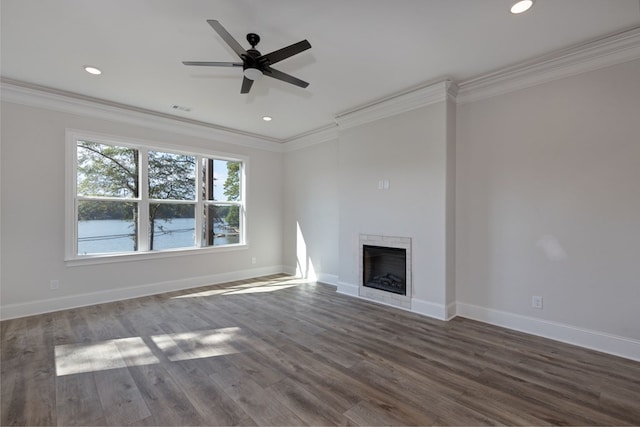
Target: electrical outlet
{"x":253,"y":260}
{"x":536,"y":301}
{"x":54,"y":285}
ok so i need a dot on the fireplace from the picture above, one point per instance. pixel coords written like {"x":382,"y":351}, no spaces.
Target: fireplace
{"x":385,"y":269}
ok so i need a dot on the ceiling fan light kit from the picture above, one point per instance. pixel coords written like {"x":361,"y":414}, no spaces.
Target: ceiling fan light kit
{"x":254,"y":64}
{"x":252,"y":73}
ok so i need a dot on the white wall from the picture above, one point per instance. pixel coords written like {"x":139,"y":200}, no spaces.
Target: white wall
{"x":332,"y":195}
{"x":409,"y":150}
{"x":33,"y":197}
{"x":311,"y":213}
{"x":548,"y":202}
{"x":545,"y":185}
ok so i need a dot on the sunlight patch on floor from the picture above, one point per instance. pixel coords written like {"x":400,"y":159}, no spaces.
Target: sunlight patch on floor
{"x":208,"y":293}
{"x":269,"y":285}
{"x":198,"y":344}
{"x":123,"y":352}
{"x":100,"y":356}
{"x":259,"y":289}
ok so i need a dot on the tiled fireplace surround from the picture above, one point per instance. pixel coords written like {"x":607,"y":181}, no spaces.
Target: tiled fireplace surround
{"x":403,"y":301}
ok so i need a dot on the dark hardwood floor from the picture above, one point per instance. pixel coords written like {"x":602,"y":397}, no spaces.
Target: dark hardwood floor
{"x":274,"y":351}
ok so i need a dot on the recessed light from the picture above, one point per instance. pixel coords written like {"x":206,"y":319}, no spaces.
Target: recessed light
{"x":521,"y":6}
{"x":267,"y":118}
{"x":92,"y":70}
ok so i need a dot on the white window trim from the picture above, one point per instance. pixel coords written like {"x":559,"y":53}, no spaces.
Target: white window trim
{"x":70,"y":255}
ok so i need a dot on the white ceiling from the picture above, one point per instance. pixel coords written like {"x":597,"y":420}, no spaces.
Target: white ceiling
{"x":362,"y":50}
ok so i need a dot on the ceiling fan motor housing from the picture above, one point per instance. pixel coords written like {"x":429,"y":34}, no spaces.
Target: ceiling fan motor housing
{"x":254,"y":64}
{"x":252,"y":68}
{"x":253,"y":39}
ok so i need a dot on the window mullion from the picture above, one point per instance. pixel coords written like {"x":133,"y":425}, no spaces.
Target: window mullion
{"x":243,"y":205}
{"x":72,"y":195}
{"x":199,"y":214}
{"x":143,"y":204}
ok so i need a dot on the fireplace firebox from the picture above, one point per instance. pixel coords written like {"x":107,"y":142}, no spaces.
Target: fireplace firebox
{"x":384,"y":268}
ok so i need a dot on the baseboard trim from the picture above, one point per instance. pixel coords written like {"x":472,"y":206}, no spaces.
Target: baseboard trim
{"x":347,"y":289}
{"x":451,"y":310}
{"x":418,"y":306}
{"x":12,"y":311}
{"x":329,"y":279}
{"x":289,"y":270}
{"x":594,"y":340}
{"x":429,"y":309}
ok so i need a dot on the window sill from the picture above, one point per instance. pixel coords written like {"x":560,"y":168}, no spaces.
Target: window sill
{"x":143,"y":256}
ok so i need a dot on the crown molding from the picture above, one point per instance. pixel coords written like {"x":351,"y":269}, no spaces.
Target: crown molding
{"x":397,"y":104}
{"x":611,"y":50}
{"x":614,"y":49}
{"x":308,"y":139}
{"x":18,"y":92}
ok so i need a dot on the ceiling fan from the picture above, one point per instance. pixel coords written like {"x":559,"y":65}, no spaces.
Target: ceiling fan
{"x":254,"y":64}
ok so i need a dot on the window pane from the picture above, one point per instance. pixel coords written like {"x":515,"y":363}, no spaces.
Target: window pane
{"x":221,"y":180}
{"x":106,"y":170}
{"x":172,"y":176}
{"x":221,"y":225}
{"x":171,"y":226}
{"x":106,"y":227}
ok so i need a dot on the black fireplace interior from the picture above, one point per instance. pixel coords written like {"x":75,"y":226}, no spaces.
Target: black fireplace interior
{"x":385,"y":269}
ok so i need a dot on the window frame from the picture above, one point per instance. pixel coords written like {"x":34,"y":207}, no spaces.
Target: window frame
{"x":143,"y":200}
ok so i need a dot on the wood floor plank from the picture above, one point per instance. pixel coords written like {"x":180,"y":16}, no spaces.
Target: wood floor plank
{"x":207,"y":398}
{"x":10,"y":408}
{"x":328,"y":376}
{"x":457,"y":414}
{"x":121,"y":400}
{"x":621,"y":403}
{"x":371,"y":413}
{"x":31,"y":392}
{"x":251,"y":366}
{"x":254,"y":399}
{"x":547,"y":401}
{"x":311,"y":409}
{"x":412,"y":388}
{"x":12,"y":333}
{"x":27,"y":367}
{"x":279,"y":351}
{"x":78,"y":401}
{"x":165,"y":400}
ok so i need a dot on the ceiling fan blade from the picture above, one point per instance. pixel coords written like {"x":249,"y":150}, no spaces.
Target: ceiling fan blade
{"x":246,"y":85}
{"x":213,"y":64}
{"x":286,"y":52}
{"x":272,"y":72}
{"x":228,"y":38}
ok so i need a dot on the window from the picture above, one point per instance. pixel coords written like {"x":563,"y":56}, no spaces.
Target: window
{"x":131,"y":198}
